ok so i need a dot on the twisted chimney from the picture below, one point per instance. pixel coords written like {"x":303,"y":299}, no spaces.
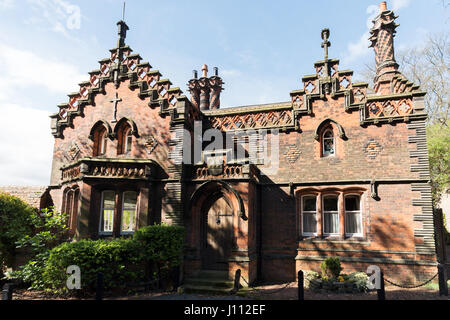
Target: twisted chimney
{"x":382,"y":40}
{"x":205,"y":92}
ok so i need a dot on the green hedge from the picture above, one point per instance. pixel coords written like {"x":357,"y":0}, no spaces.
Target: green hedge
{"x":121,"y":260}
{"x":15,"y":223}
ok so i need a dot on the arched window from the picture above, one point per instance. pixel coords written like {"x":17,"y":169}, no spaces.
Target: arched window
{"x":328,"y":143}
{"x":124,"y":131}
{"x":127,"y":140}
{"x":103,"y":143}
{"x":70,"y":207}
{"x":100,"y":133}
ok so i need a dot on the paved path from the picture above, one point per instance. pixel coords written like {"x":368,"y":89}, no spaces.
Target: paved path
{"x":195,"y":297}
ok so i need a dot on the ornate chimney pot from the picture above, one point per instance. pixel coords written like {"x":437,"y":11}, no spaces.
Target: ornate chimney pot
{"x":205,"y":71}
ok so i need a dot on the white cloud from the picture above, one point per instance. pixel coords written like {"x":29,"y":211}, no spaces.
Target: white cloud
{"x":399,"y":4}
{"x":6,"y":4}
{"x":231,"y":73}
{"x":21,"y":69}
{"x":60,"y":16}
{"x":26,"y":144}
{"x":361,"y":47}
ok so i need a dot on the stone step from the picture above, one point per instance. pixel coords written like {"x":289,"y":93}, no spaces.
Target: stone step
{"x":212,"y":282}
{"x":212,"y":274}
{"x":187,"y":288}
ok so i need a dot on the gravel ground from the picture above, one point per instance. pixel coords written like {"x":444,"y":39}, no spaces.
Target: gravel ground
{"x":269,"y":292}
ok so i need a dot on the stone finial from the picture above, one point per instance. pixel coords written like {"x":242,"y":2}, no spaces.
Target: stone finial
{"x":383,"y":6}
{"x":205,"y":71}
{"x":122,"y":32}
{"x":326,"y":44}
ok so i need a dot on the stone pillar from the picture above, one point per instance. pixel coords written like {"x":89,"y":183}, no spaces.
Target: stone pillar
{"x":84,"y":215}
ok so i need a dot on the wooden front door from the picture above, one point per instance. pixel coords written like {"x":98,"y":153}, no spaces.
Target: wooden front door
{"x":218,"y":236}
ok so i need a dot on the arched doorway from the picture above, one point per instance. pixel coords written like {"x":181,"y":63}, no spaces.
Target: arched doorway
{"x":218,"y":232}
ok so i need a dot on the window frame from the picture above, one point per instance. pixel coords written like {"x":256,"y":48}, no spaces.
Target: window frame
{"x":103,"y":143}
{"x":329,"y":195}
{"x":101,"y":221}
{"x":121,"y":232}
{"x":326,"y":154}
{"x":302,"y":232}
{"x":354,"y":235}
{"x":127,"y":144}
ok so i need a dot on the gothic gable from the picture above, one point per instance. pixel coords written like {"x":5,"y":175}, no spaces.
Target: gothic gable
{"x":122,"y":66}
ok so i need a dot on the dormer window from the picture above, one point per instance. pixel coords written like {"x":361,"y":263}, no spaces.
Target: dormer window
{"x":328,"y":143}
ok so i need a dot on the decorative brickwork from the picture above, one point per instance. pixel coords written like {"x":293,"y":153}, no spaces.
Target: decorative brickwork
{"x":372,"y":149}
{"x":377,"y":166}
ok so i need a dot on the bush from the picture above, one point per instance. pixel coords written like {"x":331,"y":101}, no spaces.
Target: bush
{"x":360,"y":279}
{"x":308,"y":276}
{"x":114,"y":258}
{"x":331,"y":267}
{"x":120,"y":260}
{"x":15,"y":223}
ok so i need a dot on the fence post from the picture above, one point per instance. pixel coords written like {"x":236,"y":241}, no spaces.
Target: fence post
{"x":237,"y":281}
{"x":7,"y":291}
{"x":301,"y":290}
{"x":443,"y":287}
{"x":380,"y":292}
{"x":100,"y":284}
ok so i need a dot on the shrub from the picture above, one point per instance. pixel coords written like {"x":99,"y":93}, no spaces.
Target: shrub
{"x":49,"y":230}
{"x":15,"y":223}
{"x":331,"y":267}
{"x":308,"y":276}
{"x":360,"y":279}
{"x":120,"y":260}
{"x":114,"y":258}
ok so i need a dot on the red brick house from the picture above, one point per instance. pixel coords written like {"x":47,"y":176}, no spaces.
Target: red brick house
{"x":351,"y":178}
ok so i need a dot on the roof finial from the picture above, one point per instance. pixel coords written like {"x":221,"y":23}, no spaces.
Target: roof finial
{"x":326,"y":44}
{"x":383,"y":6}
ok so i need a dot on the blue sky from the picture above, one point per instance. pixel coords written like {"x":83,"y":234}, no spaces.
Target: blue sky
{"x":262,"y":49}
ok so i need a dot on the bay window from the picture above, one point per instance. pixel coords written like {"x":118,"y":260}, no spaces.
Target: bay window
{"x":107,"y":212}
{"x":129,"y":212}
{"x":118,"y":206}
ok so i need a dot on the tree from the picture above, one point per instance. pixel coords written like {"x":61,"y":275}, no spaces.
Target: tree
{"x":15,"y":223}
{"x":439,"y":153}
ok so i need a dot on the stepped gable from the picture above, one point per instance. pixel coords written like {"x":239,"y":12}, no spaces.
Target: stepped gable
{"x":396,"y":99}
{"x":122,"y":65}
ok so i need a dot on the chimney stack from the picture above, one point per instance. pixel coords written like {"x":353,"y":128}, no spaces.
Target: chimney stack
{"x":205,"y":92}
{"x":382,"y":40}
